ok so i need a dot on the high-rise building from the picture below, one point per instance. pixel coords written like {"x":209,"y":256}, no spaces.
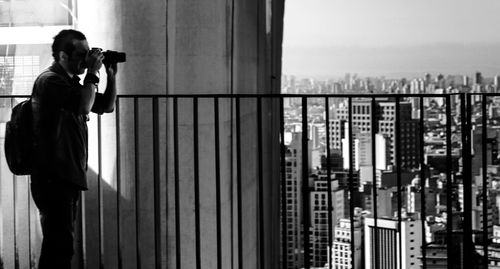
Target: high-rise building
{"x":363,"y":150}
{"x":385,"y":118}
{"x":390,"y":247}
{"x":319,"y":214}
{"x":413,"y":198}
{"x":337,"y":133}
{"x":428,"y":79}
{"x":294,"y":201}
{"x":496,"y":234}
{"x":466,"y":81}
{"x":437,"y":255}
{"x":384,"y":201}
{"x":341,"y":251}
{"x":440,"y":82}
{"x":409,"y":131}
{"x":319,"y":219}
{"x":341,"y":203}
{"x":335,"y":160}
{"x":478,"y":78}
{"x":478,"y":214}
{"x":493,"y":255}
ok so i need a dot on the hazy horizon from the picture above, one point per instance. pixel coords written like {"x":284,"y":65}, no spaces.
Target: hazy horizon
{"x":446,"y":59}
{"x":392,"y":38}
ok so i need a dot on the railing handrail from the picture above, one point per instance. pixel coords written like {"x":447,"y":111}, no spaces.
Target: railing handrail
{"x":279,"y":95}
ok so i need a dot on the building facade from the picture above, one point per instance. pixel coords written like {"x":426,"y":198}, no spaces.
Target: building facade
{"x":391,"y":246}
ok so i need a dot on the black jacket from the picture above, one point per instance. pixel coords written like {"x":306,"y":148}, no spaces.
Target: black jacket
{"x":61,"y":135}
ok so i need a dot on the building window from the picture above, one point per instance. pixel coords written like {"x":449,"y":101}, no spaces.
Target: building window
{"x":17,"y":73}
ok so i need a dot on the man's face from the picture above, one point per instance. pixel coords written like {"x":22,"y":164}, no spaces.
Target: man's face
{"x":76,"y":61}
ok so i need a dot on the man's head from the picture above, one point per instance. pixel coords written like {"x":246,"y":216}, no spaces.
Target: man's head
{"x":70,"y":50}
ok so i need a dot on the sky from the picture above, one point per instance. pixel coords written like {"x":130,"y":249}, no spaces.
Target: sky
{"x":328,"y":38}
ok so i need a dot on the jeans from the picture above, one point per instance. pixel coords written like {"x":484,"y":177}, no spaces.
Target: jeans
{"x":57,"y":204}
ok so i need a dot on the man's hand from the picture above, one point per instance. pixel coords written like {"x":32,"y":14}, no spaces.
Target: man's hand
{"x":111,"y":70}
{"x":94,"y":61}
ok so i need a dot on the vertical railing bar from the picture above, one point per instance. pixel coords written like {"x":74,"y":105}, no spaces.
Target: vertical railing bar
{"x":231,"y":183}
{"x":156,"y":177}
{"x":305,"y":185}
{"x":465,"y":181}
{"x":398,"y":174}
{"x":118,"y":184}
{"x":374,"y":128}
{"x":484,"y":107}
{"x":466,"y":111}
{"x":136,"y":175}
{"x":284,"y":258}
{"x":14,"y":205}
{"x":83,"y":260}
{"x":196,"y":183}
{"x":232,"y":90}
{"x":449,"y":206}
{"x":238,"y":184}
{"x":29,"y":222}
{"x":176,"y":185}
{"x":422,"y":180}
{"x":396,"y":251}
{"x":168,"y":78}
{"x":329,"y":182}
{"x":217,"y":182}
{"x":99,"y":192}
{"x":14,"y":187}
{"x":351,"y":181}
{"x":261,"y":187}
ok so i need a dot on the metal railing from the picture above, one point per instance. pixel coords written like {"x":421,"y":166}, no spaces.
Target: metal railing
{"x":164,"y":145}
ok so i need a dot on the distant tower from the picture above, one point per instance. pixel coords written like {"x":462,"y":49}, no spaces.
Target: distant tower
{"x":440,"y":82}
{"x":465,"y":81}
{"x":478,"y":78}
{"x":428,"y":79}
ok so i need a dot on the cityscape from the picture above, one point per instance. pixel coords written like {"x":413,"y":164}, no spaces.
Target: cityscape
{"x":398,"y":229}
{"x":392,"y":165}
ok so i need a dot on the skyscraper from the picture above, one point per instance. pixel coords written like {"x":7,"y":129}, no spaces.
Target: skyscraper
{"x":294,"y":201}
{"x":385,"y":120}
{"x":319,"y":220}
{"x":478,"y":78}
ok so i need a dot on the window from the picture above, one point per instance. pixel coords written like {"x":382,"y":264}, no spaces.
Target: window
{"x":35,"y":13}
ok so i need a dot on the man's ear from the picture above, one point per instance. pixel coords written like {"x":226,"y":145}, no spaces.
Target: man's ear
{"x":63,"y":56}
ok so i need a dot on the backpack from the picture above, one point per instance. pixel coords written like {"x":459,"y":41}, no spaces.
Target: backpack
{"x":19,"y":139}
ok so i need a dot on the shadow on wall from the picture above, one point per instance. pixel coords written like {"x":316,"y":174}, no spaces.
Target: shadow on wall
{"x":116,"y":229}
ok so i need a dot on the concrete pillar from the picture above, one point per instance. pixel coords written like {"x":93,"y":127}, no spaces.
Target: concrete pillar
{"x":185,"y":47}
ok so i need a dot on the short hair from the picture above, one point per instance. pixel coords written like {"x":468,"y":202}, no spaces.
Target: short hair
{"x":63,"y":41}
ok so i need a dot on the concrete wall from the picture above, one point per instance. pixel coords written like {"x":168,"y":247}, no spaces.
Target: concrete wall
{"x":185,"y":47}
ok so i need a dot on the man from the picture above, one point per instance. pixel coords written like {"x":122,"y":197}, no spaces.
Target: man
{"x":61,"y":105}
